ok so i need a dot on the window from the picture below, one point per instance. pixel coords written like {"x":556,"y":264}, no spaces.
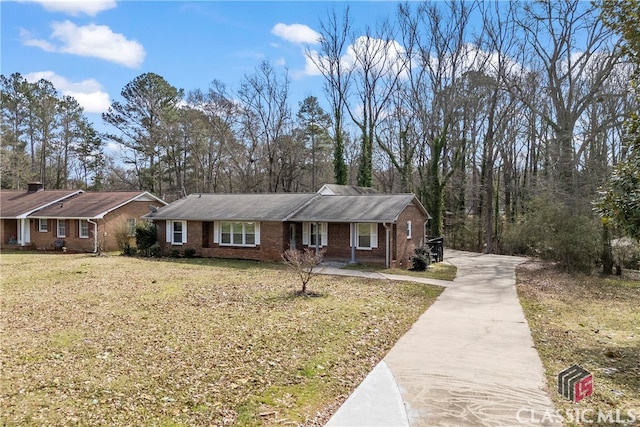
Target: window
{"x":239,"y":233}
{"x":176,"y":232}
{"x":408,"y":229}
{"x":62,"y":228}
{"x":131,"y":225}
{"x":315,"y":231}
{"x":366,"y":235}
{"x":250,"y":233}
{"x":84,"y":228}
{"x":225,"y":238}
{"x":43,"y":225}
{"x":310,"y":232}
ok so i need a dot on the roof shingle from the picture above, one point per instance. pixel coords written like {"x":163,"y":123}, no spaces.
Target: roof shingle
{"x":288,"y":207}
{"x":237,"y":207}
{"x":14,"y":204}
{"x":90,"y":205}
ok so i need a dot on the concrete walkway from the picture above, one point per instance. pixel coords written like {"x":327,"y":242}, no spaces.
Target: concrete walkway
{"x":469,"y":360}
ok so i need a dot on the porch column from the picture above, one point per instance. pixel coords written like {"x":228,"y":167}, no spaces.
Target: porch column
{"x":21,"y":234}
{"x":387,"y":259}
{"x":353,"y":242}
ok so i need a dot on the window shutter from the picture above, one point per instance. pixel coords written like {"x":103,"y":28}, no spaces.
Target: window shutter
{"x":216,"y":231}
{"x":305,"y":233}
{"x":257,"y":225}
{"x":168,"y":231}
{"x":323,"y":233}
{"x":374,"y":235}
{"x":184,"y":231}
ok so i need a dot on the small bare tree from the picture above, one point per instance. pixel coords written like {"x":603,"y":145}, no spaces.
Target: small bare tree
{"x":302,"y":264}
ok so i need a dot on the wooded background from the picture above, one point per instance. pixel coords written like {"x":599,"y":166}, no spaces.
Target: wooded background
{"x":506,"y":131}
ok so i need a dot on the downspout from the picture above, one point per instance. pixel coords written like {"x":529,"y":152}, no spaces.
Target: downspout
{"x":424,"y":233}
{"x":388,"y":236}
{"x":95,"y":235}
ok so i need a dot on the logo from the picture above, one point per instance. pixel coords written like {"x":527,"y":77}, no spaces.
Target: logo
{"x":575,"y":383}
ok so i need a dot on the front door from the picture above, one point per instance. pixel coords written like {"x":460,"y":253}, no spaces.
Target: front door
{"x":292,"y":236}
{"x":207,"y":228}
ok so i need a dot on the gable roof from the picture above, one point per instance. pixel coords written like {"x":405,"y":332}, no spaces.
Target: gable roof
{"x":19,"y":204}
{"x":288,"y":207}
{"x":361,"y":208}
{"x":345,"y":190}
{"x":233,"y":207}
{"x":93,"y":205}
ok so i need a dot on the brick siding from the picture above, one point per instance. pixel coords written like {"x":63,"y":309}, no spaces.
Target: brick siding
{"x":275,"y":238}
{"x":107,"y":228}
{"x":272,"y":236}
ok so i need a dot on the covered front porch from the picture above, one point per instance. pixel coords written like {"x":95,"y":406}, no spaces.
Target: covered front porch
{"x":345,"y":242}
{"x":16,"y":233}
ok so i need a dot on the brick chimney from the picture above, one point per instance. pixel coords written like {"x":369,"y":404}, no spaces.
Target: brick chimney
{"x":34,"y":187}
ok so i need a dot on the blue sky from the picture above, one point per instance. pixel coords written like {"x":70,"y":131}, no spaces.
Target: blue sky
{"x":91,"y":49}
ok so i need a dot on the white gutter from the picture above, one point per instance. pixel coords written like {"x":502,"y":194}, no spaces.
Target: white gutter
{"x":95,"y":235}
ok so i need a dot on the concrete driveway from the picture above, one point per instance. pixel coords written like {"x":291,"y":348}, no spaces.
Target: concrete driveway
{"x":469,"y":360}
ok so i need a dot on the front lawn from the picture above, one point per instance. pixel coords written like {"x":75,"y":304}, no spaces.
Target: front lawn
{"x":590,"y":321}
{"x":123,"y":341}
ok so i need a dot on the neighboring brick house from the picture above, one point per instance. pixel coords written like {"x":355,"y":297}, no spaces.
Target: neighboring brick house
{"x":16,"y":206}
{"x":348,"y":223}
{"x":77,"y":221}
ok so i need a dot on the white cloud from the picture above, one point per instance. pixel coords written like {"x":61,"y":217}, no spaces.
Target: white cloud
{"x":387,"y":56}
{"x":76,"y":7}
{"x":296,"y":33}
{"x":92,"y":40}
{"x":88,"y":93}
{"x":311,"y":59}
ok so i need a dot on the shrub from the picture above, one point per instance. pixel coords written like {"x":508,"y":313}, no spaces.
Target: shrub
{"x":122,"y":235}
{"x":174,"y":253}
{"x":420,"y":258}
{"x":146,"y":237}
{"x":189,"y":253}
{"x":154,"y":251}
{"x":129,"y":251}
{"x":553,"y":231}
{"x":625,"y":251}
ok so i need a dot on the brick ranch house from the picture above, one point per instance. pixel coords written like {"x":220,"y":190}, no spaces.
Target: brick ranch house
{"x":76,"y":220}
{"x":350,"y":224}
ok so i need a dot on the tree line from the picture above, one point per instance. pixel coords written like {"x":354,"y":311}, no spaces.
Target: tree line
{"x":505,"y":119}
{"x":46,"y":138}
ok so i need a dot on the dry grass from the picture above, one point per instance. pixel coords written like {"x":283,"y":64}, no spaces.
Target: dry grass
{"x":122,"y":341}
{"x":590,"y":321}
